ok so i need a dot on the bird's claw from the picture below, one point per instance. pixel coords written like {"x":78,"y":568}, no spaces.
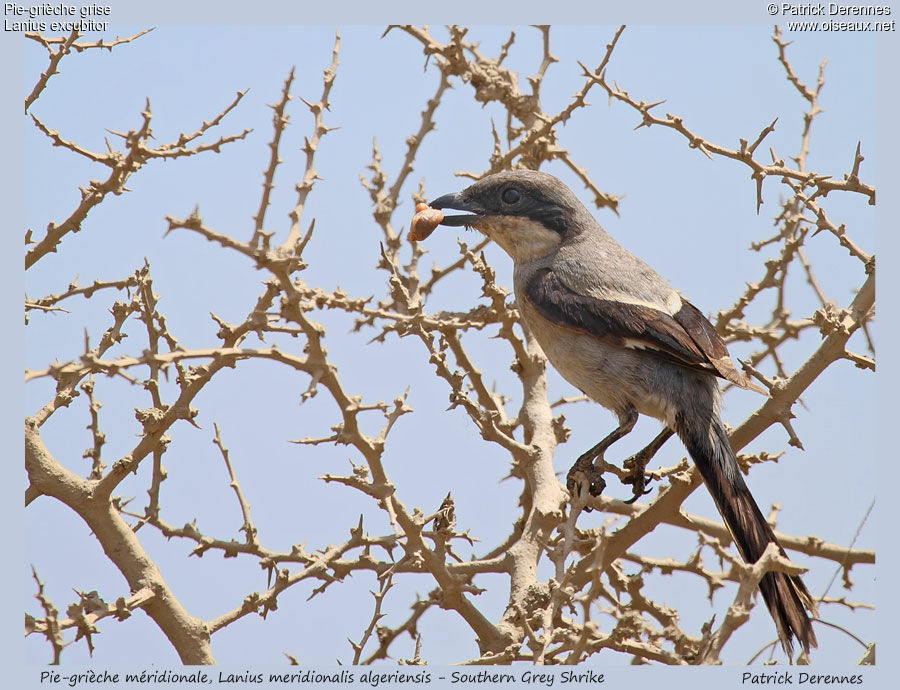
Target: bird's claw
{"x":584,"y":475}
{"x":636,"y":477}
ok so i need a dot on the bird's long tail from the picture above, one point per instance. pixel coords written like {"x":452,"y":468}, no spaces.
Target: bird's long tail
{"x":785,"y":595}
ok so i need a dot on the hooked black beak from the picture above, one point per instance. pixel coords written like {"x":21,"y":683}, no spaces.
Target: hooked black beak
{"x":457,"y":203}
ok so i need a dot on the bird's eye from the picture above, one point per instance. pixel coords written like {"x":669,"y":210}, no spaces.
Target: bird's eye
{"x":510,"y":195}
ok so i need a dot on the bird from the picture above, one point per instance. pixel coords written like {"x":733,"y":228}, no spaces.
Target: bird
{"x":616,"y":330}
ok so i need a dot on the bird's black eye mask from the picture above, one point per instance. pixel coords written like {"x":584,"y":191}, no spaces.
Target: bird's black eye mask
{"x":509,"y":200}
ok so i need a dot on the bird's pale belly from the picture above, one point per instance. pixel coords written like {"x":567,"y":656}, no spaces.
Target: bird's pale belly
{"x":612,"y":376}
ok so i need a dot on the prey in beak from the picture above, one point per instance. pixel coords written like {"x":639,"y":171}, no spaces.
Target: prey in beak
{"x":519,"y":211}
{"x":429,"y":216}
{"x":508,"y":213}
{"x":456,"y":202}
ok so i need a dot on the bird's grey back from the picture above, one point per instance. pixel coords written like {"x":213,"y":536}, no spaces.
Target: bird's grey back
{"x":594,"y":264}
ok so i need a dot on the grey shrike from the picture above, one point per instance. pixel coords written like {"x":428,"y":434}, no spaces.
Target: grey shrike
{"x":617,"y":331}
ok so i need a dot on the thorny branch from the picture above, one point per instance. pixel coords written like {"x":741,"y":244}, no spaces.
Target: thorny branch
{"x":598,"y":598}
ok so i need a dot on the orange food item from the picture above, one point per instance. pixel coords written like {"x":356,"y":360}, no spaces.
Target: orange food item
{"x":424,"y":222}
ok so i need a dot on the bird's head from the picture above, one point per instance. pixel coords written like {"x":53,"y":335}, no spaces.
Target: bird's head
{"x":528,"y":213}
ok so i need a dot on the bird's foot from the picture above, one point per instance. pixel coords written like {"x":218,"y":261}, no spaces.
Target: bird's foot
{"x":584,"y":475}
{"x":636,"y":477}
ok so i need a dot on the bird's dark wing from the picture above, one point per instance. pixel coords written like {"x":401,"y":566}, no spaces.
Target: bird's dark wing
{"x":705,"y":336}
{"x":686,"y":338}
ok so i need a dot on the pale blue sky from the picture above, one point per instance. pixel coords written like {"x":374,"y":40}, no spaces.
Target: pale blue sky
{"x":691,"y":218}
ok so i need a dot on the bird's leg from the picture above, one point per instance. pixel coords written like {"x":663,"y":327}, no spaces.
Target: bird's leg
{"x":637,"y":462}
{"x":583,"y":472}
